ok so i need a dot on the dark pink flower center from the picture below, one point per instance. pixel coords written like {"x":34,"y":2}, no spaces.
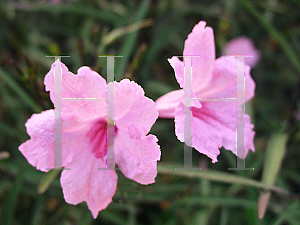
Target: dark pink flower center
{"x":98,"y":138}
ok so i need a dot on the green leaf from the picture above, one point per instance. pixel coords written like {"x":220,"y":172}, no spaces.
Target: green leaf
{"x":130,"y":41}
{"x":20,"y":92}
{"x":47,"y":180}
{"x":12,"y":131}
{"x":274,"y":156}
{"x":282,"y":41}
{"x":13,"y":196}
{"x":217,"y":176}
{"x":121,"y":31}
{"x":72,"y":9}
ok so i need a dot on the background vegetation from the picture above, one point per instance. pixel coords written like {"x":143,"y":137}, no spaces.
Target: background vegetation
{"x":146,"y":33}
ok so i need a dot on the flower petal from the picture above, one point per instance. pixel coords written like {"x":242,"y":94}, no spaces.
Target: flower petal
{"x":249,"y":135}
{"x":205,"y":137}
{"x":167,"y":103}
{"x":200,"y":43}
{"x":137,"y":155}
{"x":39,"y":150}
{"x":224,"y":81}
{"x":178,"y":67}
{"x":87,"y":84}
{"x":132,"y":107}
{"x":213,"y":126}
{"x":83,"y":181}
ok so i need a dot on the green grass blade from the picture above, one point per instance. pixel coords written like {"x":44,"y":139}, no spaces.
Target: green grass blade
{"x":130,"y":41}
{"x":47,"y":180}
{"x":13,"y":197}
{"x":274,"y":156}
{"x":218,"y":176}
{"x":121,"y":31}
{"x":38,"y":211}
{"x":20,"y":92}
{"x":73,"y":9}
{"x":9,"y":130}
{"x":282,"y":41}
{"x":220,"y":201}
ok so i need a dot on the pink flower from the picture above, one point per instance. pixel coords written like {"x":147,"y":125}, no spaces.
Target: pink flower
{"x":84,"y":128}
{"x":213,"y":123}
{"x":243,"y":46}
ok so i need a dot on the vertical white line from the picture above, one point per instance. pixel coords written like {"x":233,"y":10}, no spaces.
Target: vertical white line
{"x":110,"y":113}
{"x":188,"y":112}
{"x":240,"y":114}
{"x":57,"y":151}
{"x":57,"y":112}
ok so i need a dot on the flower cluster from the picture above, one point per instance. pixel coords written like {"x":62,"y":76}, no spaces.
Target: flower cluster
{"x":85,"y":123}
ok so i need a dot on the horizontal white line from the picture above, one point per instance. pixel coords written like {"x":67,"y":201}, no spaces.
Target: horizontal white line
{"x":83,"y":99}
{"x":216,"y":100}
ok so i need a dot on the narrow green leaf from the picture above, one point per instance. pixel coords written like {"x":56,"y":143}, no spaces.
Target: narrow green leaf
{"x":73,"y":9}
{"x":276,"y":35}
{"x":274,"y":156}
{"x":290,"y":214}
{"x":13,"y":196}
{"x":130,"y":41}
{"x":297,"y":1}
{"x":262,"y":204}
{"x":38,"y":211}
{"x":217,"y":176}
{"x":217,"y":201}
{"x":121,"y":31}
{"x":20,"y":92}
{"x":224,"y":216}
{"x":47,"y":180}
{"x":7,"y":129}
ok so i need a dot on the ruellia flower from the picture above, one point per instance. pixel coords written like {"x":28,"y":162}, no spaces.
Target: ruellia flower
{"x":213,"y":123}
{"x":84,"y":137}
{"x":243,"y":46}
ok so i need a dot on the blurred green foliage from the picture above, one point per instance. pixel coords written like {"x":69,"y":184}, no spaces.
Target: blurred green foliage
{"x":146,"y":33}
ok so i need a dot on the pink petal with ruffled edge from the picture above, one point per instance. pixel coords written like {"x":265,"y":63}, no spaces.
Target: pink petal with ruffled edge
{"x":85,"y":182}
{"x":137,"y":155}
{"x":213,"y":126}
{"x":132,"y":107}
{"x":205,"y":137}
{"x":87,"y":84}
{"x":39,"y":150}
{"x":224,"y":81}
